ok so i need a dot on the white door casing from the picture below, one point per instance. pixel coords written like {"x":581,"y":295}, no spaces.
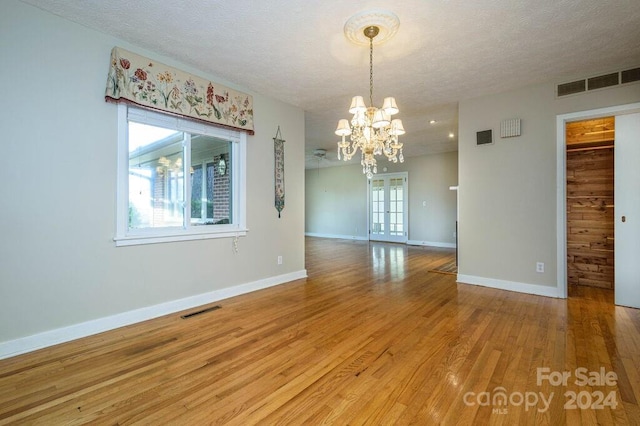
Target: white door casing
{"x":561,"y":171}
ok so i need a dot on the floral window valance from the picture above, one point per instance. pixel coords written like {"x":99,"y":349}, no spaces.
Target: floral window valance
{"x":144,"y":82}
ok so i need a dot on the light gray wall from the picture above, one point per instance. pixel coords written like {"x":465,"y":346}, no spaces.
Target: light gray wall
{"x":508,"y":189}
{"x":336,"y":198}
{"x":58,"y":263}
{"x":336,"y":201}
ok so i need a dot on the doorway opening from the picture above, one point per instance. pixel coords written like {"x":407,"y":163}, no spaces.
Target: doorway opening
{"x":626,"y":199}
{"x":590,"y":205}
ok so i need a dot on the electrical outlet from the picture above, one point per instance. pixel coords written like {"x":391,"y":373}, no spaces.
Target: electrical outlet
{"x":279,"y":260}
{"x":540,"y":267}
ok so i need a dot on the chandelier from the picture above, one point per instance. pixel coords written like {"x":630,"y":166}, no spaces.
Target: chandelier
{"x":371,"y":130}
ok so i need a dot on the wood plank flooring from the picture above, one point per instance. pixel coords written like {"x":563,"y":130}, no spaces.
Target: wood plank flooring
{"x":370,"y":337}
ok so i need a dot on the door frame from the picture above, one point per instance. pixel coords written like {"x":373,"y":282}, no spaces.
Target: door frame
{"x":561,"y":181}
{"x":405,"y":176}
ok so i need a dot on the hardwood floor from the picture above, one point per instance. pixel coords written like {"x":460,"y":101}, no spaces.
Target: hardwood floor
{"x":370,"y":337}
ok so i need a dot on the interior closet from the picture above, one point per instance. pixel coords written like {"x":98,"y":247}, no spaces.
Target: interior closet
{"x":590,"y":202}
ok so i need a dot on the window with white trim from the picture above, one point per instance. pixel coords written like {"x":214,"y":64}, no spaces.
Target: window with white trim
{"x":177,"y":179}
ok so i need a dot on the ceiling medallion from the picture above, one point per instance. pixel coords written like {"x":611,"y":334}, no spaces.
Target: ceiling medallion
{"x":387,"y":23}
{"x":371,"y":130}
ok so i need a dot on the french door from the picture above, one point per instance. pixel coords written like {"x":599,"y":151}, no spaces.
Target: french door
{"x":388,"y":212}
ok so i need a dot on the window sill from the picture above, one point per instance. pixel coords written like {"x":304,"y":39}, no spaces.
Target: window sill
{"x":133,"y":240}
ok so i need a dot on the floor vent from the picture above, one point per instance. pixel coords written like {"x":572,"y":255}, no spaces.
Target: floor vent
{"x":598,"y":82}
{"x":204,"y":311}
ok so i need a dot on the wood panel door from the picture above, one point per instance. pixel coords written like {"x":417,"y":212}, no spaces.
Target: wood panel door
{"x":627,"y":221}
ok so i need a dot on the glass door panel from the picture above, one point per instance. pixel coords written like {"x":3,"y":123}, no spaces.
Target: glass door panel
{"x":377,"y":207}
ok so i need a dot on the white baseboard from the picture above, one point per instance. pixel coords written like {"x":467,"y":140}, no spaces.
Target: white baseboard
{"x":336,"y":236}
{"x":61,"y":335}
{"x":431,"y":244}
{"x":358,"y":238}
{"x":538,"y":290}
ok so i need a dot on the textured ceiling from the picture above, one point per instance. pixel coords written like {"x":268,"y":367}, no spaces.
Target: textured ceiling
{"x":444,"y":51}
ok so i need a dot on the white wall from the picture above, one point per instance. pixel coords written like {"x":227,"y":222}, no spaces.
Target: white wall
{"x":336,"y":201}
{"x":508,"y":189}
{"x":59,"y":266}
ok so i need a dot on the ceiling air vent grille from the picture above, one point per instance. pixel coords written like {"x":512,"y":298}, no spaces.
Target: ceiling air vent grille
{"x":631,"y":75}
{"x":603,"y":81}
{"x":571,"y":88}
{"x":599,"y":82}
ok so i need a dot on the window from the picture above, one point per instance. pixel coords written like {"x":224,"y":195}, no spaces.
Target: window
{"x":177,"y":179}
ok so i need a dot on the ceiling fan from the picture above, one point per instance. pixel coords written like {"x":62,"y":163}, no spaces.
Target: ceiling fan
{"x":320,"y":154}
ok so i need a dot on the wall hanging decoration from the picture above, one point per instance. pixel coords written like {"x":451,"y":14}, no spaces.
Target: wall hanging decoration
{"x":278,"y":150}
{"x":151,"y":84}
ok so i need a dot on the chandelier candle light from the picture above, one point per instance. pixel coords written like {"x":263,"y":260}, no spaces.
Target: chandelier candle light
{"x":371,"y":129}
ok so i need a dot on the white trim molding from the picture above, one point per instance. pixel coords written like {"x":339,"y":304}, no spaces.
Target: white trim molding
{"x":561,"y":180}
{"x":431,"y":244}
{"x":359,"y":238}
{"x":535,"y":289}
{"x":61,"y":335}
{"x":336,"y":236}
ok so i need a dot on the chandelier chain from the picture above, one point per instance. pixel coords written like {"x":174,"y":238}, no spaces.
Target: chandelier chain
{"x":370,"y":71}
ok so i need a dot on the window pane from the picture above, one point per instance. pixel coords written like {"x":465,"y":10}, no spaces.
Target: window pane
{"x":377,"y":203}
{"x":196,"y":191}
{"x":156,"y":177}
{"x":176,"y":181}
{"x":214,"y":155}
{"x":210,"y":177}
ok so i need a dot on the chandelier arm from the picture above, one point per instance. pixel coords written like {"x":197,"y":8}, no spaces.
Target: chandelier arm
{"x":349,"y":150}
